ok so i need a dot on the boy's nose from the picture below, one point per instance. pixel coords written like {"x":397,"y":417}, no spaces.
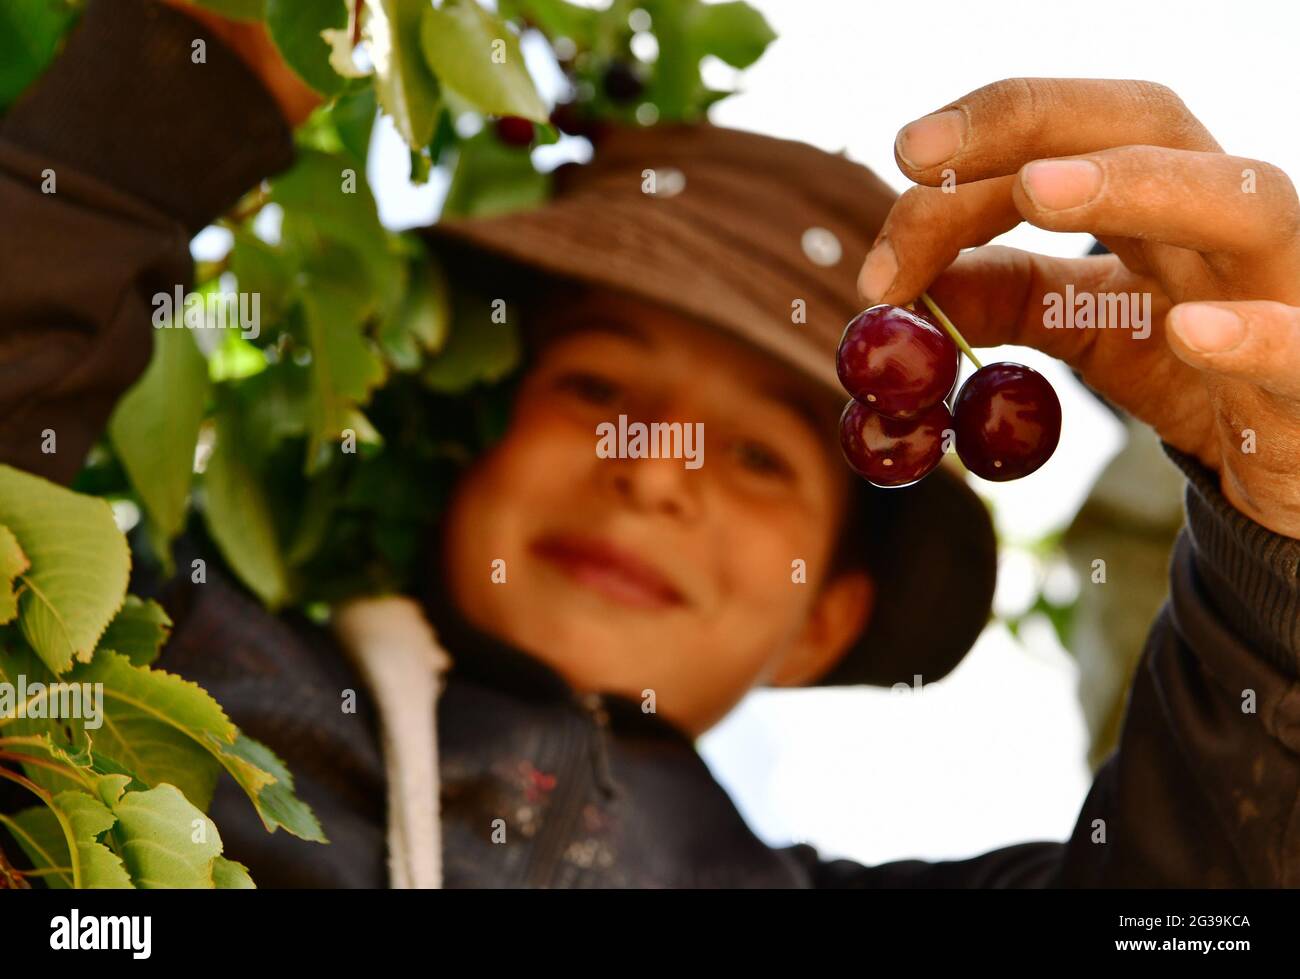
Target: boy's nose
{"x":654,"y":485}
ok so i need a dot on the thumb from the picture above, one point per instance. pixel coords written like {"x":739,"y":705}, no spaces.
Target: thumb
{"x":1256,"y":341}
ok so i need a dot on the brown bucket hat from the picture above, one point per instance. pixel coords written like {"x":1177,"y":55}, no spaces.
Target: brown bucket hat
{"x":738,"y":228}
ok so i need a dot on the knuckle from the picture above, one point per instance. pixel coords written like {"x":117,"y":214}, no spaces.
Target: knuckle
{"x":1018,"y":103}
{"x":915,"y":206}
{"x":1166,"y":107}
{"x":1280,"y":206}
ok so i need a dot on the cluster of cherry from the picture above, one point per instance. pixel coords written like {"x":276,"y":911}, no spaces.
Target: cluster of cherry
{"x":900,"y":365}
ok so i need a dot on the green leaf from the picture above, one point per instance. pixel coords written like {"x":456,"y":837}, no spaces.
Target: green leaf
{"x":734,"y":32}
{"x":93,"y":863}
{"x":556,"y":18}
{"x":259,"y":268}
{"x":66,"y":834}
{"x":344,"y":369}
{"x":476,"y":56}
{"x":40,"y":835}
{"x":164,"y":840}
{"x":270,"y":407}
{"x":166,"y":730}
{"x":687,"y":30}
{"x":13,"y":562}
{"x":238,"y":516}
{"x":235,"y":359}
{"x":353,"y":116}
{"x":326,"y":200}
{"x":154,"y":724}
{"x":295,"y":27}
{"x":248,"y":760}
{"x":156,"y":425}
{"x":79,"y":565}
{"x":406,"y":87}
{"x":30,"y":34}
{"x":138,"y":631}
{"x":235,"y":9}
{"x":478,"y":349}
{"x":492,"y":178}
{"x":421,"y":322}
{"x":231,"y":875}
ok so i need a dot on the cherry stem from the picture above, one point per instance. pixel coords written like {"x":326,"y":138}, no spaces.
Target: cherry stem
{"x":357,"y":11}
{"x":953,"y":332}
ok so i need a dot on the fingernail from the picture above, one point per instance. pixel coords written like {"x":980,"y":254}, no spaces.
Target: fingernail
{"x":931,"y":140}
{"x":878,"y":272}
{"x":1055,"y":185}
{"x":1208,"y":329}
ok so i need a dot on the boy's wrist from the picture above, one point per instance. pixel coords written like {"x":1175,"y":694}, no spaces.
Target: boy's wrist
{"x":1252,"y":575}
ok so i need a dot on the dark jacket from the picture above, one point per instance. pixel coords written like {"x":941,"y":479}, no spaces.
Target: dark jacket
{"x":147,"y":148}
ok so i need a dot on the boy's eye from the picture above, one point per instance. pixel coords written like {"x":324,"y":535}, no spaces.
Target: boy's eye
{"x":591,"y":388}
{"x":761,"y":459}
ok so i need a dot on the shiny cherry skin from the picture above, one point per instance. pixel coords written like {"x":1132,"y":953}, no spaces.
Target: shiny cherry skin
{"x":891,"y":452}
{"x":895,"y":362}
{"x":923,"y":311}
{"x":515,"y":131}
{"x":1008,"y":421}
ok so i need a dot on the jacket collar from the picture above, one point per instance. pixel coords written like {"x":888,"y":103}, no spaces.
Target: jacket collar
{"x":493,"y":662}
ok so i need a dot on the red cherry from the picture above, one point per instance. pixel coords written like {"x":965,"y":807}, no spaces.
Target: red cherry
{"x":890,"y":452}
{"x":1007,"y":420}
{"x":895,"y":362}
{"x":923,"y":311}
{"x":515,"y":131}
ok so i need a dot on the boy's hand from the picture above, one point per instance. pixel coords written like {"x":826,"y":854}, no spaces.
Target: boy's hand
{"x":251,"y":42}
{"x":1213,"y":239}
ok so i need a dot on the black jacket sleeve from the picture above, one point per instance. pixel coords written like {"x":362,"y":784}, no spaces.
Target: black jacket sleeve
{"x":1204,"y":787}
{"x":132,"y":141}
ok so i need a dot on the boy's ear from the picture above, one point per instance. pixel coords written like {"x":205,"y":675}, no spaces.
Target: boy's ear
{"x":838,"y":616}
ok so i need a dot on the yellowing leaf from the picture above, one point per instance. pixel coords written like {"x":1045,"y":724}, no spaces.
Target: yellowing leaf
{"x":266,"y":780}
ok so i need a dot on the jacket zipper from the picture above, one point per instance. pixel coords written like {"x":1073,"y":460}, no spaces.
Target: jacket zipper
{"x":585,"y":760}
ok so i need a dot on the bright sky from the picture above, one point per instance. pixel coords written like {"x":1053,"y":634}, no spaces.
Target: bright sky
{"x":994,"y":754}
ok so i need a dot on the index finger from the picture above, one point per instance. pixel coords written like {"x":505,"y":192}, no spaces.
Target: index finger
{"x":997,"y":129}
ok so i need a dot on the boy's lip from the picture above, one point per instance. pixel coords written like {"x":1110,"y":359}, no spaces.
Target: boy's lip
{"x":610,"y":570}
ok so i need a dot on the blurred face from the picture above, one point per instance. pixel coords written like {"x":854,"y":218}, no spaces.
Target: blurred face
{"x":671,"y":575}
